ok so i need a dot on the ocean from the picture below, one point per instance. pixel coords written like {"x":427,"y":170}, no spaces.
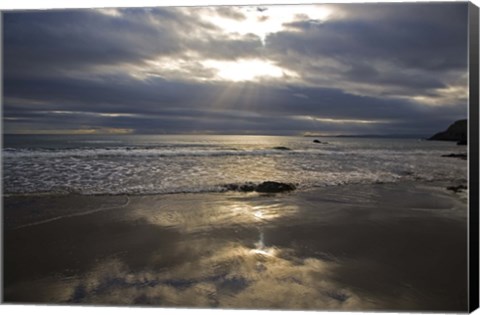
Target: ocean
{"x":166,"y":164}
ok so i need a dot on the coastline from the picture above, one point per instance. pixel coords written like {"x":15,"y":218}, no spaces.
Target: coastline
{"x":352,"y":247}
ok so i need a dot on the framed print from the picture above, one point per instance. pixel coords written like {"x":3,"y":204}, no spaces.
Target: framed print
{"x":315,"y":156}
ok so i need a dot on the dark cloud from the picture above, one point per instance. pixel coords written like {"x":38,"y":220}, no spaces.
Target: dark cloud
{"x":372,"y":62}
{"x":40,"y":42}
{"x":162,"y":106}
{"x":406,"y":48}
{"x":58,"y":42}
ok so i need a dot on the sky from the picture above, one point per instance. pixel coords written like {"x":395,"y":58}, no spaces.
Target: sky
{"x":393,"y":68}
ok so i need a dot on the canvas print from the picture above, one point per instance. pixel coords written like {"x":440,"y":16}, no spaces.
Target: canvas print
{"x":294,"y":157}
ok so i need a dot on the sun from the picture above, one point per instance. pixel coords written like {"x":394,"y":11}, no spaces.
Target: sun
{"x":246,"y":70}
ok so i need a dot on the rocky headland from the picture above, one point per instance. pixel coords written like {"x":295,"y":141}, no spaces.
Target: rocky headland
{"x":458,"y":131}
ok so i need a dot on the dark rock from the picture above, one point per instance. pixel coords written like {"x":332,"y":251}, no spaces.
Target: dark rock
{"x":462,"y":142}
{"x":457,"y":188}
{"x":265,"y":187}
{"x":462,"y":156}
{"x":230,"y":187}
{"x":317,"y":141}
{"x":282,"y":148}
{"x":274,"y":187}
{"x":248,"y":187}
{"x":458,"y":131}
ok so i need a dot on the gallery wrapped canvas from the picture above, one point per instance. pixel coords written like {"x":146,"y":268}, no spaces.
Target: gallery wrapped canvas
{"x":284,"y":157}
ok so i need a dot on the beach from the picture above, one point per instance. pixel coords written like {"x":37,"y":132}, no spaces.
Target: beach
{"x":392,"y":246}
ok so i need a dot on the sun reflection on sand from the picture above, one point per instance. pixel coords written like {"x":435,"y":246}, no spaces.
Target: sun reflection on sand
{"x":258,"y":214}
{"x":261,"y":249}
{"x":211,"y":214}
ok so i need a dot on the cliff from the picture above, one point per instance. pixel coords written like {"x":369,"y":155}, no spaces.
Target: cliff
{"x":458,"y":131}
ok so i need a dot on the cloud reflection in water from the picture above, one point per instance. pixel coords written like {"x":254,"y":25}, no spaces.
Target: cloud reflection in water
{"x":233,"y":276}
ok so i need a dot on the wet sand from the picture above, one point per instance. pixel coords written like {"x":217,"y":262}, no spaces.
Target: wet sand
{"x":355,"y":247}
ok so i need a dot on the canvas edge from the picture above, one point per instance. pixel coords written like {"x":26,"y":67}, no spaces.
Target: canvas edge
{"x":473,"y":140}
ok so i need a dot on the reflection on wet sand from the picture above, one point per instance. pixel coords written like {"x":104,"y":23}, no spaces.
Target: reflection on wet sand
{"x":234,"y":276}
{"x":291,"y":251}
{"x":189,"y":215}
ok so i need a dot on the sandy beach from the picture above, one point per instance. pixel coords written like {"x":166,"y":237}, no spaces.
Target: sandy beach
{"x":356,"y":247}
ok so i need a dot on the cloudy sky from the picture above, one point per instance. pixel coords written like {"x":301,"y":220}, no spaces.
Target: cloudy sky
{"x":397,"y":68}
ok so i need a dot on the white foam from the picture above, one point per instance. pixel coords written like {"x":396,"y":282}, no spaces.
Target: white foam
{"x":175,"y":169}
